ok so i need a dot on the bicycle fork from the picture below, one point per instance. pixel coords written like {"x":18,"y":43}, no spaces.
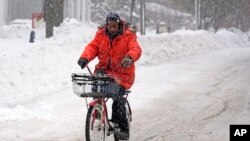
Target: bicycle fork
{"x":102,"y":109}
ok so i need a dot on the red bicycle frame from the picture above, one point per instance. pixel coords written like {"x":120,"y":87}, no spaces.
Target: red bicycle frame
{"x":104,"y":110}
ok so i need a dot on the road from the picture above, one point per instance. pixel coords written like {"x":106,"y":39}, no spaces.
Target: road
{"x":200,"y":109}
{"x":193,"y":98}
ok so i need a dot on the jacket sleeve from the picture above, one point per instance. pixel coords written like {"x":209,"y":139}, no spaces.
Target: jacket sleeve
{"x":134,"y":48}
{"x":91,"y":50}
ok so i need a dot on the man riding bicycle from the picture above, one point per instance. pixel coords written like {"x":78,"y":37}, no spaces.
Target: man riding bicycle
{"x":117,"y":49}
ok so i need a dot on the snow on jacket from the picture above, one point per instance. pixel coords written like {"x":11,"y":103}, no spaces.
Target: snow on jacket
{"x":111,"y":53}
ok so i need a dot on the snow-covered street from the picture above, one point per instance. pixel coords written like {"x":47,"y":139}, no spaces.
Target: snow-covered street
{"x":190,"y":86}
{"x":202,"y":106}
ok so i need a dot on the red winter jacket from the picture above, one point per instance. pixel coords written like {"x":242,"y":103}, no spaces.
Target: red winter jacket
{"x":110,"y":55}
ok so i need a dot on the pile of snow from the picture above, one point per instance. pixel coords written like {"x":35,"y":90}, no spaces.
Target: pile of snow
{"x":20,"y":112}
{"x":32,"y":70}
{"x":16,"y":29}
{"x":163,"y":47}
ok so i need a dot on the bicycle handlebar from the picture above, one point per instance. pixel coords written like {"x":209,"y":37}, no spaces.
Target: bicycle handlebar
{"x":89,"y":70}
{"x":92,"y":77}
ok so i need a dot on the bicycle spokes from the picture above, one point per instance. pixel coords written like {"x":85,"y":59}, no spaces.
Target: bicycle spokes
{"x":95,"y":124}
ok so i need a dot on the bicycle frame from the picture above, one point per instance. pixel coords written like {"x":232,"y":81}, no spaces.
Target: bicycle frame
{"x":104,"y":111}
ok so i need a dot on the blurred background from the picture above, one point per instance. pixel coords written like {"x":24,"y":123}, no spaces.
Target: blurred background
{"x":158,"y":15}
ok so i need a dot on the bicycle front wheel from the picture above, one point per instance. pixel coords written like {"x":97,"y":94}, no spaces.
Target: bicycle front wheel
{"x":95,"y":128}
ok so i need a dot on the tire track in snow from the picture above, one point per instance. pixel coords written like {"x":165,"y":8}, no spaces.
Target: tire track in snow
{"x":217,"y":90}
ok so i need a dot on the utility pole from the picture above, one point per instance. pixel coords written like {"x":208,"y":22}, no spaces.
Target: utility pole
{"x":132,"y":10}
{"x":81,"y":11}
{"x":142,"y":17}
{"x":197,"y":14}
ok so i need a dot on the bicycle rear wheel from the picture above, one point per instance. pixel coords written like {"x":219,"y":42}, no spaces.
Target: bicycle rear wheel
{"x":95,"y":128}
{"x":129,"y":117}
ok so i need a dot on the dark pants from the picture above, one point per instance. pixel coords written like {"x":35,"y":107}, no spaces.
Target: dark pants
{"x":119,"y":110}
{"x":118,"y":106}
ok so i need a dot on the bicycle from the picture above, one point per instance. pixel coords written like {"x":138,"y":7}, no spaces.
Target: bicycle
{"x":101,"y":88}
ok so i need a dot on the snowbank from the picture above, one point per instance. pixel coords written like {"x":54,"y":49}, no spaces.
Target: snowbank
{"x":164,"y":47}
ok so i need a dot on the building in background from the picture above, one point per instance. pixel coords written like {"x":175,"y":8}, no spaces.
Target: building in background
{"x":77,"y":9}
{"x":23,"y":9}
{"x":3,"y":11}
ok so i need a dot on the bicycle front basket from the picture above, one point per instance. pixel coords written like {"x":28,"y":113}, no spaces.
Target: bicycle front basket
{"x":85,"y":85}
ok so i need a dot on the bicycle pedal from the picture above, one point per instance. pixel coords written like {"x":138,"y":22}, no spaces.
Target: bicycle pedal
{"x":110,"y":130}
{"x":109,"y":133}
{"x":121,"y":135}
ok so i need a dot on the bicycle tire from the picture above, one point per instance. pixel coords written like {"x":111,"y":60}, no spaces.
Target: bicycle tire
{"x":94,"y":128}
{"x":129,"y":117}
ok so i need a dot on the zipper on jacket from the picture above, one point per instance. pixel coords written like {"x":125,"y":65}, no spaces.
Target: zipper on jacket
{"x":110,"y":43}
{"x":110,"y":47}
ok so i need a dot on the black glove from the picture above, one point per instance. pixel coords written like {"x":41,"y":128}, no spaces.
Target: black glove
{"x":82,"y":62}
{"x":127,"y":61}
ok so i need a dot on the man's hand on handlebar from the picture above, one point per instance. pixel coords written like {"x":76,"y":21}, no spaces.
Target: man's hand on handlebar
{"x":82,"y":62}
{"x":127,"y":61}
